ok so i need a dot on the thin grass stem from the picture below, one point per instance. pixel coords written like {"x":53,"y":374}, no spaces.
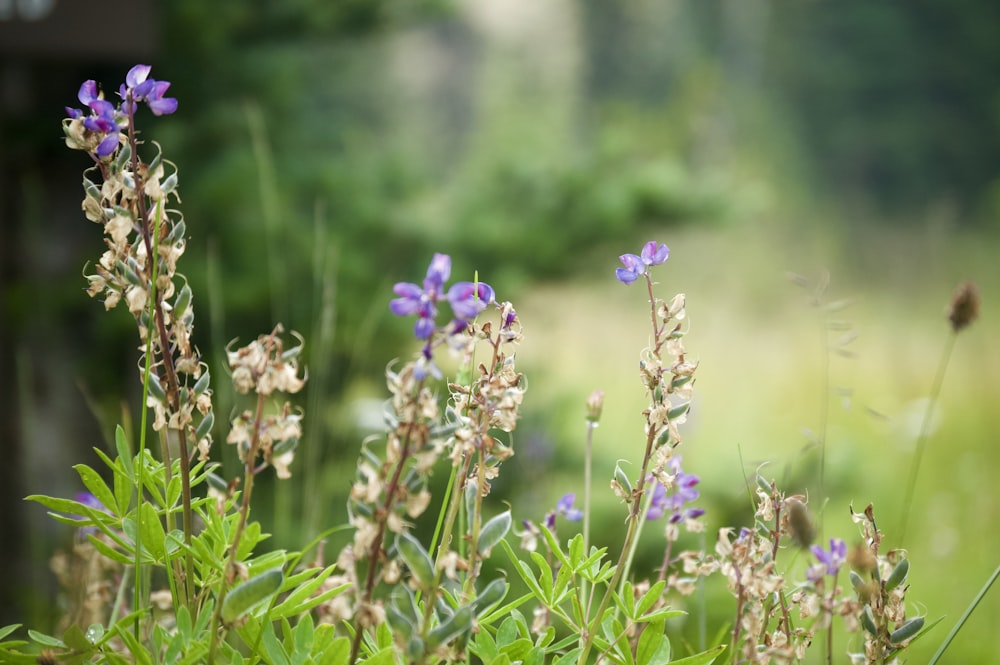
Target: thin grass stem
{"x":925,"y":430}
{"x":965,"y":616}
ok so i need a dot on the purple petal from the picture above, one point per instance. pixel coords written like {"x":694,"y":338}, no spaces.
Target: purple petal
{"x":164,"y":106}
{"x":404,"y":306}
{"x":632,"y":262}
{"x":88,"y":499}
{"x":73,"y":113}
{"x":565,"y":502}
{"x":142,"y":90}
{"x":465,"y":301}
{"x":653,"y":254}
{"x":88,"y":92}
{"x":108,"y":145}
{"x":423,"y":328}
{"x":626,"y":276}
{"x":102,"y":107}
{"x":137,"y":75}
{"x":574,"y":515}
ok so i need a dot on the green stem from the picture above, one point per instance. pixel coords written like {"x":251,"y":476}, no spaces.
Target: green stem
{"x":925,"y":428}
{"x":588,"y":460}
{"x":248,"y":481}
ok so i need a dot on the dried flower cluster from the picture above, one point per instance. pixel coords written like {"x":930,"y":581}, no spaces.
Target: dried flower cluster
{"x":264,"y":367}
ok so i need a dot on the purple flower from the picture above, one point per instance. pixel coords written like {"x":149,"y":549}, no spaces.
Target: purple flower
{"x":107,"y":120}
{"x":467,"y":299}
{"x":830,"y":560}
{"x":565,"y":508}
{"x":139,"y":88}
{"x":652,"y":255}
{"x":682,"y":493}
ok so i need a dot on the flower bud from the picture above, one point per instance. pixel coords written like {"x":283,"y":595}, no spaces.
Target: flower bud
{"x":595,"y":404}
{"x":964,"y":307}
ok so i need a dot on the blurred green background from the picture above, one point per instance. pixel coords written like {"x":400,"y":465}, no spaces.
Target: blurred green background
{"x":327,"y":148}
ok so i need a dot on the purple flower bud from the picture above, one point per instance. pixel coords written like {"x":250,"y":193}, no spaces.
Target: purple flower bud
{"x":438,"y":272}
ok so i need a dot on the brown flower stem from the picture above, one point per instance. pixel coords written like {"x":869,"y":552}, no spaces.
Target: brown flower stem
{"x":171,"y":384}
{"x":382,"y":518}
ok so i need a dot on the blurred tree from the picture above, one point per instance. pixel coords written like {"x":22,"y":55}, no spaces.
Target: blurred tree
{"x":896,"y":103}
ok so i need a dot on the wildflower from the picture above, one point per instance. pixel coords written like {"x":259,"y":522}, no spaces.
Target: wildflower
{"x":565,"y":508}
{"x":106,"y":120}
{"x":683,"y":493}
{"x":467,"y":299}
{"x":652,"y":255}
{"x":103,"y":122}
{"x":829,"y":561}
{"x":138,"y":87}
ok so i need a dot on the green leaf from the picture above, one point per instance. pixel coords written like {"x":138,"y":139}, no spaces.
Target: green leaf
{"x":123,"y":491}
{"x":523,"y":569}
{"x":154,"y":540}
{"x":272,"y":647}
{"x":484,"y":646}
{"x":110,"y":552}
{"x":96,"y":485}
{"x":45,"y":640}
{"x":703,"y":658}
{"x":386,"y":656}
{"x":124,"y":452}
{"x":626,"y":600}
{"x":650,"y":597}
{"x":653,"y":647}
{"x":383,"y":636}
{"x":554,"y":546}
{"x":303,"y":636}
{"x":507,"y":632}
{"x":74,"y":639}
{"x":304,"y":596}
{"x":576,"y":551}
{"x":569,"y":657}
{"x":329,"y":649}
{"x":544,"y":577}
{"x":7,"y":630}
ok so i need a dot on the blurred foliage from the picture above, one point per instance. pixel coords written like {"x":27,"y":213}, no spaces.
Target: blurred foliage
{"x":897,"y":104}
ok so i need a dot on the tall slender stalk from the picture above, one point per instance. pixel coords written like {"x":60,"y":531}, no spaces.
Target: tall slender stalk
{"x":925,"y":431}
